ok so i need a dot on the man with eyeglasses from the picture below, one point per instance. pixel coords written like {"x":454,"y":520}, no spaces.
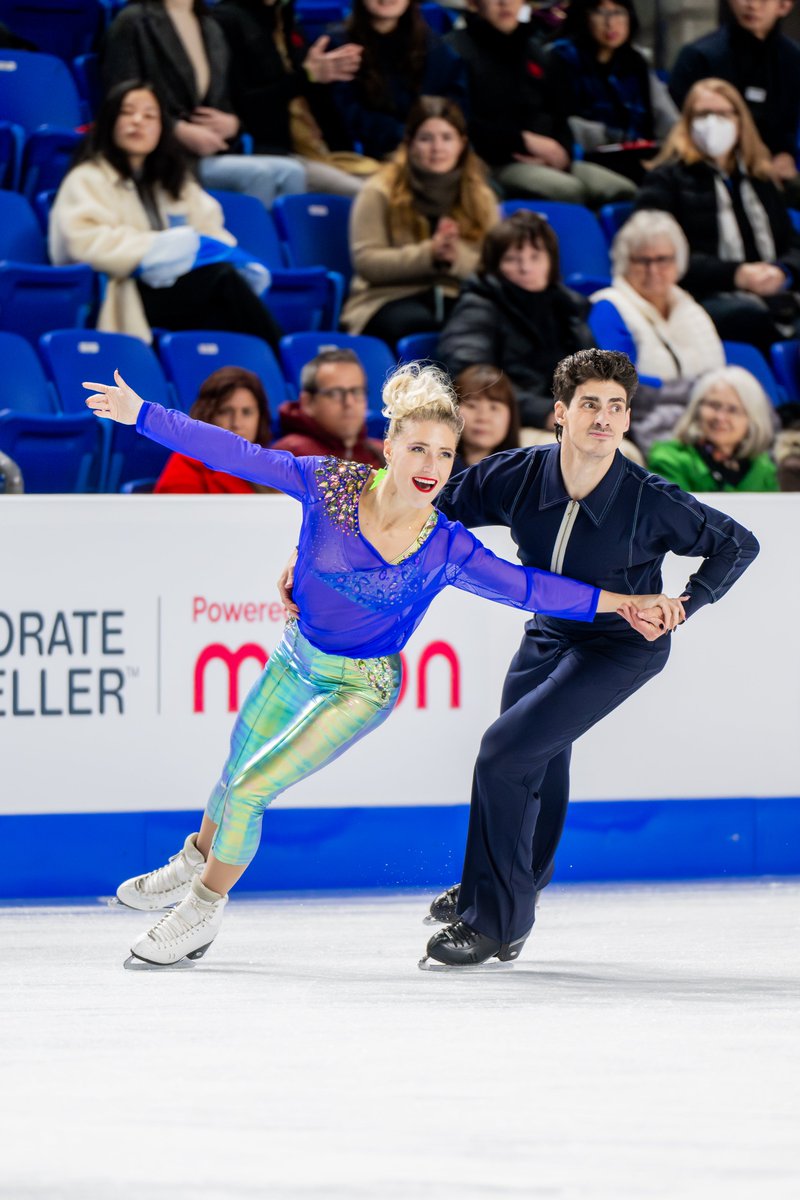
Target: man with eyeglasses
{"x":750,"y":52}
{"x":329,"y":416}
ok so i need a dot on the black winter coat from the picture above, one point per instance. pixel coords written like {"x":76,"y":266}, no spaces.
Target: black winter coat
{"x":767,"y":73}
{"x":493,"y":323}
{"x":142,"y":43}
{"x":687,"y":192}
{"x":508,"y":90}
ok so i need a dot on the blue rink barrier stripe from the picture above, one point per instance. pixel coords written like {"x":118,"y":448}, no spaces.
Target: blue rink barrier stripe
{"x":87,"y":854}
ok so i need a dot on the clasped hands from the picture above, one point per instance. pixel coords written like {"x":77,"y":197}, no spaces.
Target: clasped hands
{"x":653,"y":616}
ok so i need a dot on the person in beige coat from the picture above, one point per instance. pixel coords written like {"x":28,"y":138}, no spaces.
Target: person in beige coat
{"x":131,"y":210}
{"x":417,"y":228}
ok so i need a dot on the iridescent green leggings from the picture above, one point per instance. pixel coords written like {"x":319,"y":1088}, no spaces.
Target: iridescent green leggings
{"x":303,"y":712}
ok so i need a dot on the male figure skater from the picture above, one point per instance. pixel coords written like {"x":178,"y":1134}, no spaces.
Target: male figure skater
{"x":582,"y":509}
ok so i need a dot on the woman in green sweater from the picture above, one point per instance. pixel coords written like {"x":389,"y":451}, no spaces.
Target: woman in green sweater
{"x":721,"y":442}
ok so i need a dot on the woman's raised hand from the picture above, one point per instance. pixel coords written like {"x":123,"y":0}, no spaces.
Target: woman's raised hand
{"x":114,"y":401}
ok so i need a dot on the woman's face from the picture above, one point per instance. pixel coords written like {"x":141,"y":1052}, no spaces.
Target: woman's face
{"x":609,"y":25}
{"x":420,"y":460}
{"x":137,"y":129}
{"x":239,"y":414}
{"x":385,"y":14}
{"x":723,"y":418}
{"x":436,"y":146}
{"x":710,"y":104}
{"x":528,"y":266}
{"x":486,"y":423}
{"x":653,"y":270}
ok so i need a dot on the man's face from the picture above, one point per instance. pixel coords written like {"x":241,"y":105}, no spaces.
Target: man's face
{"x":759,"y":16}
{"x":503,"y":14}
{"x":596,"y":420}
{"x":339,"y":403}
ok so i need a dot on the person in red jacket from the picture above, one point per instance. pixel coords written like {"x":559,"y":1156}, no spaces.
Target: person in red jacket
{"x":330,"y":415}
{"x":234,"y":399}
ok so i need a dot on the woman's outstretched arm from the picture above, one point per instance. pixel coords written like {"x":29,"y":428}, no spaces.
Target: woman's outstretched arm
{"x":217,"y":448}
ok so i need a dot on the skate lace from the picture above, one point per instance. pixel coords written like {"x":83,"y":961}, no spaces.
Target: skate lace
{"x":460,"y":934}
{"x":165,"y":878}
{"x":174,"y":925}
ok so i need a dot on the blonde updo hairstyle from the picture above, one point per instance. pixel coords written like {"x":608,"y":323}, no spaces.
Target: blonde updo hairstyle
{"x":420,"y":392}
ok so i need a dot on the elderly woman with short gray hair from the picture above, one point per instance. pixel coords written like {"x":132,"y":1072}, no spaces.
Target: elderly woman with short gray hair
{"x":644,"y":313}
{"x":722,"y":441}
{"x":663,"y":330}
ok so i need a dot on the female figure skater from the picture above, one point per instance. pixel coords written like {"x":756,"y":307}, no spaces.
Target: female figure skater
{"x":373,"y":553}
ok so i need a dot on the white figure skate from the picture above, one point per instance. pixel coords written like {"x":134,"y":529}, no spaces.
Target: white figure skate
{"x":168,"y":884}
{"x":184,"y":933}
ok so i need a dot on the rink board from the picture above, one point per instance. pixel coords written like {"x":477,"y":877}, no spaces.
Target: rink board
{"x":131,"y":628}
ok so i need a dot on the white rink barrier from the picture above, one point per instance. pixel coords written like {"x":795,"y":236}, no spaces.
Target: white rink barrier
{"x":131,"y":628}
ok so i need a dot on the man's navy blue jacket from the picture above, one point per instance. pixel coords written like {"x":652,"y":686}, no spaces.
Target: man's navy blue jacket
{"x":615,"y":538}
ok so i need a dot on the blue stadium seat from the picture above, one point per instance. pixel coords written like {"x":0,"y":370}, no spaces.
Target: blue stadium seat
{"x":35,"y":296}
{"x":71,"y":356}
{"x":46,"y":157}
{"x":418,"y":346}
{"x":138,"y":487}
{"x":741,"y":354}
{"x":54,"y":453}
{"x":583,"y":250}
{"x":376,"y":358}
{"x":440,"y":19}
{"x":189,"y":358}
{"x":12,"y":141}
{"x":314,"y":16}
{"x":786,"y":367}
{"x":86,"y":69}
{"x":613,"y":217}
{"x":23,"y":384}
{"x":36,"y":90}
{"x":38,"y":93}
{"x":64,"y":28}
{"x":794,"y":217}
{"x":300,"y":297}
{"x":314,"y":230}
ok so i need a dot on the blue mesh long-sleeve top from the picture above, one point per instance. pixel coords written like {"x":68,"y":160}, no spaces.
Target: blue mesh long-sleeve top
{"x":352,"y":601}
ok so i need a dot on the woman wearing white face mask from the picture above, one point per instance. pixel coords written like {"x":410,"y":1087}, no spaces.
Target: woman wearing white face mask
{"x":714,"y":176}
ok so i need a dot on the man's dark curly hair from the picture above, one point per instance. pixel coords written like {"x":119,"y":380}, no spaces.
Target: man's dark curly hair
{"x":608,"y":366}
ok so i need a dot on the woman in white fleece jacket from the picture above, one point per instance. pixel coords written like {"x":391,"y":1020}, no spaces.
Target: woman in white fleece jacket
{"x":131,"y":210}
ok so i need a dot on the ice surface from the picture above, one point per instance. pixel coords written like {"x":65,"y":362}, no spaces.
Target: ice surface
{"x":646,"y":1045}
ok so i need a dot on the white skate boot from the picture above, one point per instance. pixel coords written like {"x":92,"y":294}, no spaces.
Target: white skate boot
{"x":168,"y":884}
{"x":185,"y":932}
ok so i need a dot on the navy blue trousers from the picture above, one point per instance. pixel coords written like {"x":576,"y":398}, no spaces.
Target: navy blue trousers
{"x":564,"y":678}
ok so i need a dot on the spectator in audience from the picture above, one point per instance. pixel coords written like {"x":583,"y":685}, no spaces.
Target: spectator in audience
{"x":403,"y":59}
{"x":330,"y":416}
{"x":183,"y":50}
{"x":516,"y":315}
{"x":606,"y":88}
{"x":281,"y":90}
{"x":515,"y":123}
{"x":234,"y":399}
{"x":750,"y":52}
{"x":416,"y":229}
{"x":10,"y":476}
{"x":130,"y":208}
{"x":787,"y":449}
{"x":667,"y":335}
{"x":489,"y":407}
{"x":721,"y":442}
{"x":714,"y":175}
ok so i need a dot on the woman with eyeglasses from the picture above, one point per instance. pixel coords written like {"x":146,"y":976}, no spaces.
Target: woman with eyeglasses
{"x":617,"y":108}
{"x":722,"y":442}
{"x":669,"y":337}
{"x":714,"y":175}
